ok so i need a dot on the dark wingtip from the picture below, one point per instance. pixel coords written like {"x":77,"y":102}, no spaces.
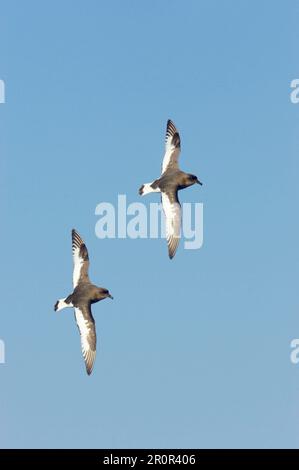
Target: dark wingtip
{"x":170,"y":123}
{"x":56,"y":305}
{"x":176,"y":140}
{"x":74,"y":232}
{"x":141,"y":190}
{"x":172,"y":252}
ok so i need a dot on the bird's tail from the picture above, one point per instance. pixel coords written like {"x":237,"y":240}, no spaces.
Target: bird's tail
{"x":61,"y":303}
{"x":147,"y":188}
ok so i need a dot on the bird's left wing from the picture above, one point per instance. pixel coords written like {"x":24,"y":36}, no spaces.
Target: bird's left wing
{"x":172,"y":147}
{"x":80,"y":258}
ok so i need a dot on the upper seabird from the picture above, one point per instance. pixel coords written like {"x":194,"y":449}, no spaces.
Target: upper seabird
{"x":84,"y":294}
{"x":172,"y":179}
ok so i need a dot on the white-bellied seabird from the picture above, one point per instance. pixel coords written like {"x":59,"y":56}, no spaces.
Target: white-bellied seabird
{"x":172,"y":179}
{"x":84,"y":294}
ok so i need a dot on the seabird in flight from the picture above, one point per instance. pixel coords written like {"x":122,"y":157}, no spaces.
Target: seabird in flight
{"x":84,"y":294}
{"x":171,"y":181}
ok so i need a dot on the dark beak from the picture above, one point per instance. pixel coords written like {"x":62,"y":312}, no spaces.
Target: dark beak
{"x":199,"y":182}
{"x":110,"y":296}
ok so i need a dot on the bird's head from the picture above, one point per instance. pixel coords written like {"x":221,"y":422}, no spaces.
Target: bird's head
{"x":103,"y":293}
{"x":192,"y":179}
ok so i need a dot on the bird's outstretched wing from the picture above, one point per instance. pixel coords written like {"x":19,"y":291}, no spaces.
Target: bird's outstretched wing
{"x":172,"y":211}
{"x":86,"y":325}
{"x":172,"y":147}
{"x":80,"y":258}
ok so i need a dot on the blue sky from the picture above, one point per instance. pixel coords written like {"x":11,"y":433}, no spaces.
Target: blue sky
{"x":192,"y":352}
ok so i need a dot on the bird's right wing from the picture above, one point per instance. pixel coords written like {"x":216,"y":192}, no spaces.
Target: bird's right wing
{"x":86,"y":325}
{"x":172,"y":147}
{"x":80,"y":258}
{"x":172,"y":211}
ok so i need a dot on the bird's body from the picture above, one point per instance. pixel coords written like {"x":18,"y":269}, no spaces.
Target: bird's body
{"x":170,"y":182}
{"x":83,"y":296}
{"x":86,"y":293}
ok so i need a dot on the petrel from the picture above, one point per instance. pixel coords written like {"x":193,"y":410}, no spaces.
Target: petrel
{"x":172,"y":179}
{"x":84,"y":294}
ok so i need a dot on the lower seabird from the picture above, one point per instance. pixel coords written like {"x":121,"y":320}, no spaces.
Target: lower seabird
{"x":84,"y":294}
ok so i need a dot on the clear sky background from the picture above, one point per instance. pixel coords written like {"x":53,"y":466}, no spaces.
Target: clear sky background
{"x":193,"y":352}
